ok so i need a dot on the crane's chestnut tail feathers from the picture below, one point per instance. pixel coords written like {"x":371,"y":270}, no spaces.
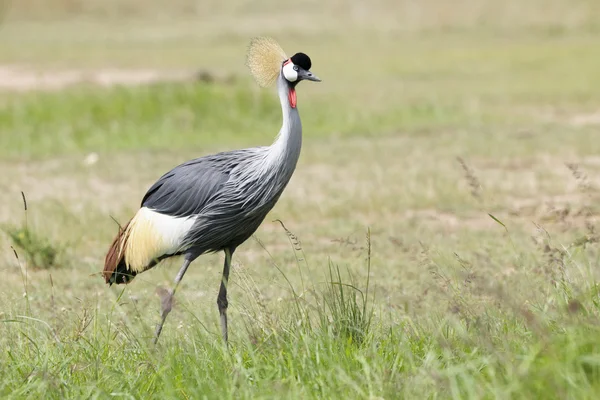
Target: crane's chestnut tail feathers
{"x":115,"y":269}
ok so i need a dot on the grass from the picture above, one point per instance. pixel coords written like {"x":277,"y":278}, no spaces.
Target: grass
{"x":39,"y":251}
{"x":508,"y":350}
{"x":462,"y":139}
{"x":180,"y":115}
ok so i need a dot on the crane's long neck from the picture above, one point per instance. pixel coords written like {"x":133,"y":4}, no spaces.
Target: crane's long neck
{"x":275,"y":164}
{"x":285,"y":151}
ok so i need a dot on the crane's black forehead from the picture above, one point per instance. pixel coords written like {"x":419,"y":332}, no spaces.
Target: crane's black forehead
{"x":301,"y":60}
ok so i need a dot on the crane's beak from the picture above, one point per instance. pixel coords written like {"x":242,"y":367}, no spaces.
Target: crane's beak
{"x":307,"y":75}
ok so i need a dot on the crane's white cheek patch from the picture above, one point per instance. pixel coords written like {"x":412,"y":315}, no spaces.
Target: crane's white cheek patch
{"x":289,"y":72}
{"x":151,"y":235}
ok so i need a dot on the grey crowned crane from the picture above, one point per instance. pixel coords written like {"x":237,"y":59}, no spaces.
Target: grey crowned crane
{"x":216,"y":202}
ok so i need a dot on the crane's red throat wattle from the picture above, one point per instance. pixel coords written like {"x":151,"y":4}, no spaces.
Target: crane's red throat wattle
{"x":292,"y":97}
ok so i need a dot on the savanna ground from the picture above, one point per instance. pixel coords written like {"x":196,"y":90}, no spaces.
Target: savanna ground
{"x":463,"y":135}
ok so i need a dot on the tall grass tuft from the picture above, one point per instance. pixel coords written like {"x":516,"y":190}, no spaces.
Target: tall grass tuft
{"x":39,"y":251}
{"x":345,"y":309}
{"x":336,"y":308}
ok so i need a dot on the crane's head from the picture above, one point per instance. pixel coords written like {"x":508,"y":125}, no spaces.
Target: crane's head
{"x":297,"y":68}
{"x":267,"y":61}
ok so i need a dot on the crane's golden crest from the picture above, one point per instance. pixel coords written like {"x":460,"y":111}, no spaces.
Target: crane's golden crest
{"x":264,"y":60}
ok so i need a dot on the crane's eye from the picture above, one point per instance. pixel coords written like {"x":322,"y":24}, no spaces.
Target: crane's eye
{"x":295,"y":68}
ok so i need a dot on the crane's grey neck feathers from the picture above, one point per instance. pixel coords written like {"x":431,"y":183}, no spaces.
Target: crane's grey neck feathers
{"x":273,"y":165}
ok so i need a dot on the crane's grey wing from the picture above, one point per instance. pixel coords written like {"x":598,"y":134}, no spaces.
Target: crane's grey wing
{"x":187,"y":188}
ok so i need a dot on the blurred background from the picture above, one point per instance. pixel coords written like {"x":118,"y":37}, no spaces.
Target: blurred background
{"x":388,"y":66}
{"x":431,"y":114}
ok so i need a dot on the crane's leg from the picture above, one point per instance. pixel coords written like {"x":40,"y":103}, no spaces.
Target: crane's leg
{"x":222,"y":298}
{"x":167,"y":303}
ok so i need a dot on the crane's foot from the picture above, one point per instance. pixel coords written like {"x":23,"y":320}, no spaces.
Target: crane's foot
{"x":223,"y":313}
{"x":166,"y":305}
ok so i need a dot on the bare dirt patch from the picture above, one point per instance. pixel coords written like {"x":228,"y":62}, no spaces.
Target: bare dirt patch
{"x":568,"y":117}
{"x":20,"y":78}
{"x":590,"y":119}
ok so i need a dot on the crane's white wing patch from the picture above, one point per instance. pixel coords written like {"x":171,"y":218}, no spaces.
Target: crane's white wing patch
{"x":151,"y":234}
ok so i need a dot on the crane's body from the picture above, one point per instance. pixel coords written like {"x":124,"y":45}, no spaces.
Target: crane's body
{"x":214,"y":203}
